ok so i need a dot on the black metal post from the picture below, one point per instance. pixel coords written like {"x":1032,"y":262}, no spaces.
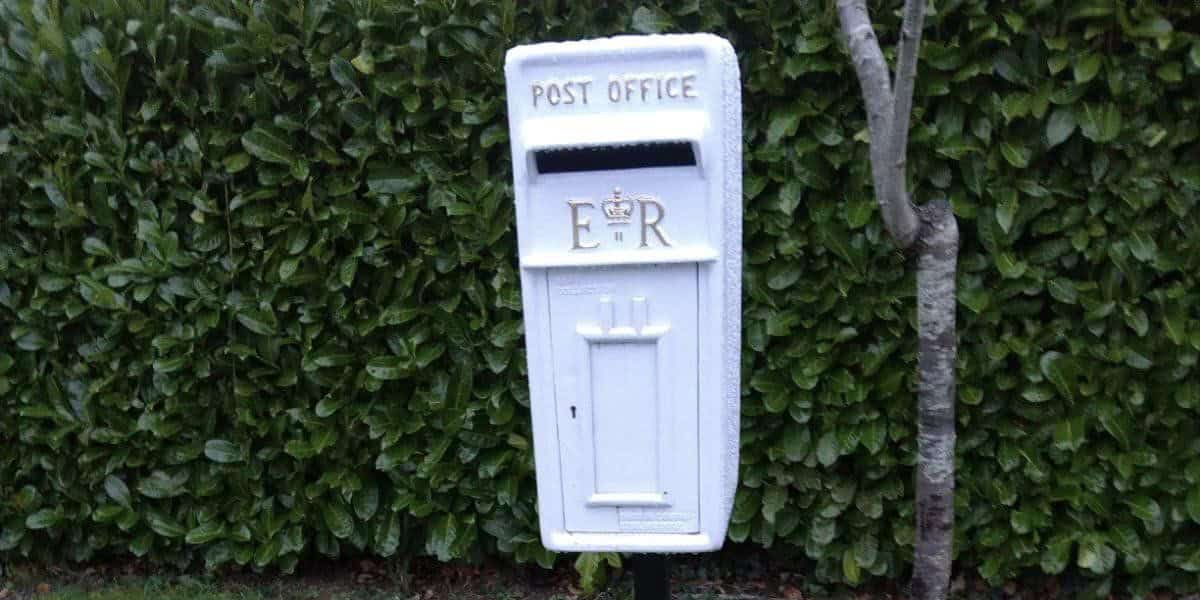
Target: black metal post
{"x":651,"y":577}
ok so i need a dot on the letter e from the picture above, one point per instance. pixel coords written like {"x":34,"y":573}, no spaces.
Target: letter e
{"x":579,"y":223}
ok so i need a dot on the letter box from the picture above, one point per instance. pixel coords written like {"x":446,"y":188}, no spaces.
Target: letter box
{"x":627,"y":171}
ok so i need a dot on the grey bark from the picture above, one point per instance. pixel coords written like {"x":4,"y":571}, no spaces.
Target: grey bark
{"x":937,"y":264}
{"x":933,"y":231}
{"x":887,"y":167}
{"x":906,"y":77}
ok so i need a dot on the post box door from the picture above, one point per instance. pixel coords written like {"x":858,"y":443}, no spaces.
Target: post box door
{"x":624,"y":341}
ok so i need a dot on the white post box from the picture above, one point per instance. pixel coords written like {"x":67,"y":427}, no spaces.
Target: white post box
{"x":627,"y":170}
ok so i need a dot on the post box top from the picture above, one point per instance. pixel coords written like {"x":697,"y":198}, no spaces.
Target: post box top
{"x":666,"y":88}
{"x":627,"y":129}
{"x":616,"y":46}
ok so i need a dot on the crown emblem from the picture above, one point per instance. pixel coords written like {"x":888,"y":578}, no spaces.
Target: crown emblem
{"x":617,"y":209}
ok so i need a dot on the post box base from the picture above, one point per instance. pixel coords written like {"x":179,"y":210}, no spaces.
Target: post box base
{"x":562,"y":541}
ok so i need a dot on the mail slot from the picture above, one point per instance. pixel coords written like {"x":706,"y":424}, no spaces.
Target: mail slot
{"x":627,"y":176}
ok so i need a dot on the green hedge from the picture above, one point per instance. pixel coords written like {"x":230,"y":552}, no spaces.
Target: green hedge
{"x":259,"y":298}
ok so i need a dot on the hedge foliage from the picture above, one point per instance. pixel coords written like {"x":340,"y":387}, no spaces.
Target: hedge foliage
{"x":259,"y":298}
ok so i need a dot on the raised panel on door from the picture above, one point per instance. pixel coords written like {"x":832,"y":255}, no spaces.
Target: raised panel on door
{"x":625,"y":353}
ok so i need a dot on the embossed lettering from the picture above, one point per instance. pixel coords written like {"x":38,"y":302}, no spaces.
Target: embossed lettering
{"x":625,"y":88}
{"x":647,"y":224}
{"x":579,"y":223}
{"x":670,"y":80}
{"x":560,"y":92}
{"x":689,"y":89}
{"x":645,"y":86}
{"x":650,"y":87}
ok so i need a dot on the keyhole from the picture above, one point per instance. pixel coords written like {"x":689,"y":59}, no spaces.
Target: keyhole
{"x":572,"y":412}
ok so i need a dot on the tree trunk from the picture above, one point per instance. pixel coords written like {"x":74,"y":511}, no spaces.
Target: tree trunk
{"x":933,"y":231}
{"x":937,"y":262}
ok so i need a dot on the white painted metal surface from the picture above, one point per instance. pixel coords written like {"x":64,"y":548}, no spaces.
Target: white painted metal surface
{"x":627,"y":176}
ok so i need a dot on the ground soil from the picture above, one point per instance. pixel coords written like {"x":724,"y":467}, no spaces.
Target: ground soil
{"x":735,"y":574}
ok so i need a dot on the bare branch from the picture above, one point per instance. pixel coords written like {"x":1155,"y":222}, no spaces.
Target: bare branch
{"x":906,"y":76}
{"x":873,"y":77}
